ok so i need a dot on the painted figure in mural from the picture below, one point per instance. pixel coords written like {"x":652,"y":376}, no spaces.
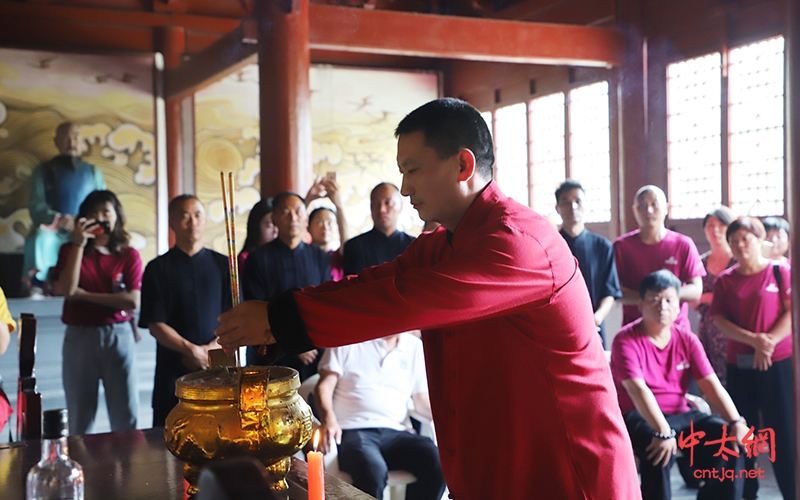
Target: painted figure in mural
{"x":183,"y":292}
{"x":519,"y":383}
{"x":594,"y":253}
{"x":58,"y":187}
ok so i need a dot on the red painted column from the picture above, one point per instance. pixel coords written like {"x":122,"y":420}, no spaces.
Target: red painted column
{"x":793,"y":176}
{"x":284,"y":61}
{"x":172,"y":42}
{"x":632,"y":105}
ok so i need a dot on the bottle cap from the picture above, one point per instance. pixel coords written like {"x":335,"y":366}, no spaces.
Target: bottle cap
{"x":55,"y":424}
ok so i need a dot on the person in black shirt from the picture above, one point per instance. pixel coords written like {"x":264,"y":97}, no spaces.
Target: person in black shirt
{"x":595,"y":254}
{"x":285,"y":263}
{"x":183,"y":293}
{"x":384,"y":242}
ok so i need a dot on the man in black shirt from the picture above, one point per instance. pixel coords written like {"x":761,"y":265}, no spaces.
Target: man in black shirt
{"x":595,"y":254}
{"x":285,"y":263}
{"x":384,"y":242}
{"x":183,"y":293}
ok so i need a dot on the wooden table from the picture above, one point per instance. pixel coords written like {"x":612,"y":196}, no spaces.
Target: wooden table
{"x":135,"y":465}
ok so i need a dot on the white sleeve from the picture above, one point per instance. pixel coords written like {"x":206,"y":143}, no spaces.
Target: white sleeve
{"x":332,"y":361}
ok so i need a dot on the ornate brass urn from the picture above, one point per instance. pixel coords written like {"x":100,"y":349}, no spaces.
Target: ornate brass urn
{"x":228,"y":412}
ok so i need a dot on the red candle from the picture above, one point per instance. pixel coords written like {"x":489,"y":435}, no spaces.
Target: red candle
{"x":316,"y":472}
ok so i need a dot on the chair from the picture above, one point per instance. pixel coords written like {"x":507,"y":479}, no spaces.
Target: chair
{"x":397,"y":480}
{"x":29,"y":401}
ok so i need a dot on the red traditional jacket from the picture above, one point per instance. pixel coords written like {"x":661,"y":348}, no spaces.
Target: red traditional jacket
{"x":521,"y":391}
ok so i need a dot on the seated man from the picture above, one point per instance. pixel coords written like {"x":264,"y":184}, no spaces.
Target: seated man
{"x":362,"y":399}
{"x":651,"y":361}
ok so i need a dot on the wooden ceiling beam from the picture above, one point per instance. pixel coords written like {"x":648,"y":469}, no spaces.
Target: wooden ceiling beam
{"x":27,"y":10}
{"x":448,"y":37}
{"x":225,"y":56}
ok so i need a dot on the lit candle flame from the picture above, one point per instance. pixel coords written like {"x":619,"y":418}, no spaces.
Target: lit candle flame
{"x":316,"y":439}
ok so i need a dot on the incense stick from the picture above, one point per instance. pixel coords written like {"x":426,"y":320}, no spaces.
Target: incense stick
{"x":230,"y":234}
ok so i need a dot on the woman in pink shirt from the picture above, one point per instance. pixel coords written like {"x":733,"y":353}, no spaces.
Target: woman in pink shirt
{"x":714,"y":261}
{"x":100,"y":276}
{"x":752,"y":306}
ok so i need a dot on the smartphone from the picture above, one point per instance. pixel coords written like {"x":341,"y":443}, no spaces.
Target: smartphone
{"x":330,"y":176}
{"x":99,"y":227}
{"x":745,"y":361}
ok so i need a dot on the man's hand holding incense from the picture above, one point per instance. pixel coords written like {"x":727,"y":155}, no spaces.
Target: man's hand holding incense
{"x":244,"y":325}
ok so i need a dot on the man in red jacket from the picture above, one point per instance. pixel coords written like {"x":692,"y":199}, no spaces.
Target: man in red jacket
{"x":520,"y":388}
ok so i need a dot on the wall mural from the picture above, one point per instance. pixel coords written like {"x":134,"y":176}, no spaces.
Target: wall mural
{"x":110,"y":99}
{"x":353,"y":114}
{"x":227,"y":140}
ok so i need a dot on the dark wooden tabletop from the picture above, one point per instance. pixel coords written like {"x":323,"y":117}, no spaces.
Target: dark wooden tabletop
{"x":135,"y":465}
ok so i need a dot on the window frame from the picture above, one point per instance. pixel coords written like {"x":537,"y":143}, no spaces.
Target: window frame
{"x":610,"y":228}
{"x":725,"y":131}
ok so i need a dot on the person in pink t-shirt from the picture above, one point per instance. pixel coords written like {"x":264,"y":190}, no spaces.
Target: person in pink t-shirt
{"x":100,"y":276}
{"x":651,"y":362}
{"x":653,"y":247}
{"x":752,"y":306}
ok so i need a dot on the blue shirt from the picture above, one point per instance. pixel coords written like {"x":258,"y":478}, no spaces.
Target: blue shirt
{"x":595,"y":256}
{"x":373,"y":248}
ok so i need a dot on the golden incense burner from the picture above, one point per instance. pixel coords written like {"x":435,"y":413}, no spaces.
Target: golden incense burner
{"x":229,"y":412}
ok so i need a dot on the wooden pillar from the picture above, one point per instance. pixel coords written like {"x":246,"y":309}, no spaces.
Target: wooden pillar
{"x":793,"y":164}
{"x":285,"y":109}
{"x":632,"y":108}
{"x":172,"y":42}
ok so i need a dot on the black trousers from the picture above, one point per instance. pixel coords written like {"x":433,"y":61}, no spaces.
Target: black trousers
{"x":369,"y":454}
{"x":769,"y":392}
{"x":655,"y":478}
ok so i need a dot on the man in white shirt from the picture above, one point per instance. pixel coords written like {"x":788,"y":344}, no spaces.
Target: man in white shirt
{"x":362,"y":400}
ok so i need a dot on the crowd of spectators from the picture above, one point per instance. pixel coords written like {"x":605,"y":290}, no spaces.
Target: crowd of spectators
{"x":740,"y":356}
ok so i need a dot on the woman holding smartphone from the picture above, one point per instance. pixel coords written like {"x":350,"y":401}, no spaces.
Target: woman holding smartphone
{"x":100,"y":276}
{"x":752,"y":306}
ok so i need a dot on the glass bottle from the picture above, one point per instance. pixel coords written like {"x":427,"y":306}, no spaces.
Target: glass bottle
{"x":56,"y":476}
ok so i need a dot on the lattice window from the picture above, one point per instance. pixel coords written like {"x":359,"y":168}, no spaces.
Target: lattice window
{"x":512,"y":151}
{"x":590,"y":158}
{"x":756,"y":90}
{"x":693,"y":128}
{"x":548,"y":164}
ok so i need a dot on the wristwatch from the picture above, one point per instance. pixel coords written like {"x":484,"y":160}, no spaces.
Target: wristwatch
{"x":665,"y":436}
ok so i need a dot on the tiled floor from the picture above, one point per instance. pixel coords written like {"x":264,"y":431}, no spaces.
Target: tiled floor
{"x":48,"y":375}
{"x":50,"y":338}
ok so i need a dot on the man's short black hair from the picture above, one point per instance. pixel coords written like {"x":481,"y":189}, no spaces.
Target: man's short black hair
{"x":278,"y":200}
{"x":659,"y":281}
{"x":771,"y":223}
{"x":450,"y":125}
{"x":568,"y":185}
{"x":178,"y":200}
